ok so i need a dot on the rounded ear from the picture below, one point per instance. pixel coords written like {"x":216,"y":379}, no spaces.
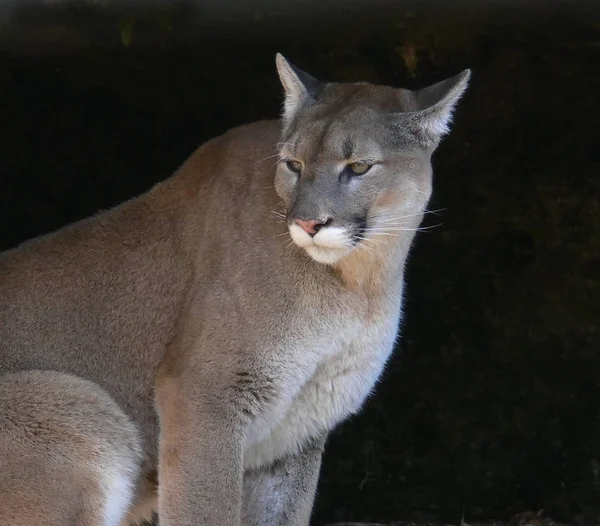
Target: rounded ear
{"x":300,"y":87}
{"x":435,"y":105}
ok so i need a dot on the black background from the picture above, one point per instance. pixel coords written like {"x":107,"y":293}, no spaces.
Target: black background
{"x":490,"y":405}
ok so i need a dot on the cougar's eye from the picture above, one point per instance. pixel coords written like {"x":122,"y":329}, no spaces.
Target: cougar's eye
{"x":294,"y":166}
{"x":359,"y":167}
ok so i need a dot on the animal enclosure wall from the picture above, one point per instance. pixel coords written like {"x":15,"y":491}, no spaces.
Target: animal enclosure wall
{"x":491,"y":402}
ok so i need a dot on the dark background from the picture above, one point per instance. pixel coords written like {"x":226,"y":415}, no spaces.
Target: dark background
{"x":491,"y":404}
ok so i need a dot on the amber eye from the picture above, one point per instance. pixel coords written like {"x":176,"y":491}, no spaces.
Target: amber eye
{"x":294,"y":166}
{"x":359,"y":167}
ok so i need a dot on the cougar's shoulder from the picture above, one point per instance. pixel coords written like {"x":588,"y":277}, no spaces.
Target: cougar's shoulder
{"x":233,"y":152}
{"x":253,"y":139}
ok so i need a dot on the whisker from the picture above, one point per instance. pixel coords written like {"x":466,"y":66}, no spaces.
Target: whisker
{"x":417,"y":229}
{"x":436,"y":211}
{"x":416,"y":189}
{"x":401,"y":226}
{"x":388,"y":230}
{"x":375,"y":233}
{"x":367,"y":248}
{"x":376,"y":241}
{"x":398,"y":218}
{"x":401,"y":229}
{"x":407,"y":227}
{"x":384,"y":216}
{"x":280,"y":219}
{"x":386,"y":220}
{"x":269,"y":157}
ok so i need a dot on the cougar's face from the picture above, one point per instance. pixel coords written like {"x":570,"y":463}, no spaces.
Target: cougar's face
{"x":349,"y":180}
{"x":355,"y":159}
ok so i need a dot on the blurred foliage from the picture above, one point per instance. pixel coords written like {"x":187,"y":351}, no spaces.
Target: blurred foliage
{"x":492,"y":401}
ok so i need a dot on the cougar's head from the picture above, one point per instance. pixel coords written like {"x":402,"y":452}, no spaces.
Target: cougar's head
{"x":355,"y":159}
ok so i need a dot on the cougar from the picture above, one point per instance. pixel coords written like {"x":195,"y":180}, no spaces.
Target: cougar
{"x":190,"y":349}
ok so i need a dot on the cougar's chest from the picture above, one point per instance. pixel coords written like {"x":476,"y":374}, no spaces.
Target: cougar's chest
{"x":352,"y":357}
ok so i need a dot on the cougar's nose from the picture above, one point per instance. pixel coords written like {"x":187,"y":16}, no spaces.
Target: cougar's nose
{"x":312,"y":226}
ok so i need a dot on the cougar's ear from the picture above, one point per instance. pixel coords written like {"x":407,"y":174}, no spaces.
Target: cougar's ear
{"x":300,"y":87}
{"x":435,"y":105}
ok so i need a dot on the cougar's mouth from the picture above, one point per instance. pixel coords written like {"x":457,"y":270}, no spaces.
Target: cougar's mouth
{"x":328,"y":245}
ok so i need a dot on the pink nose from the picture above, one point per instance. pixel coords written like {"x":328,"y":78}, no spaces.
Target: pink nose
{"x":311,"y":226}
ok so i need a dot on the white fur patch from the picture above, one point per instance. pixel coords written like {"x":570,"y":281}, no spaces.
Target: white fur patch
{"x":119,"y":496}
{"x":352,"y":361}
{"x":327,"y":256}
{"x":332,"y":237}
{"x":329,"y":245}
{"x":300,"y":237}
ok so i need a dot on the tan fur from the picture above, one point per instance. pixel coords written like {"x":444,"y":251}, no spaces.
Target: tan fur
{"x":67,"y":452}
{"x":145,"y":502}
{"x":234,"y":349}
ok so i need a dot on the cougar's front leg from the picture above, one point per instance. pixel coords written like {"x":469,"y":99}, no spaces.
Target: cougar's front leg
{"x":283,"y":493}
{"x":200,"y":451}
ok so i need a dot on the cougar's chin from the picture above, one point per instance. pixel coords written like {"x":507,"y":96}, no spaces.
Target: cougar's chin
{"x":328,"y":245}
{"x":328,"y":256}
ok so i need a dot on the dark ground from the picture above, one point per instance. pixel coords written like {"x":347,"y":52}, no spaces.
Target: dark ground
{"x":491,"y":404}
